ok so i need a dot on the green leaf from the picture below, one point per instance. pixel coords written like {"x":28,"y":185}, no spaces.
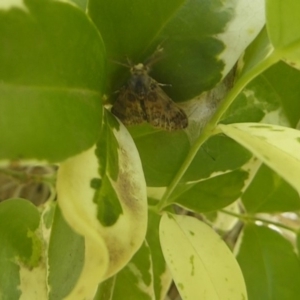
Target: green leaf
{"x":256,"y":54}
{"x":298,"y":242}
{"x":65,"y":257}
{"x":188,"y":32}
{"x":283,"y":22}
{"x":283,"y":82}
{"x":155,"y":151}
{"x":267,"y":191}
{"x":269,"y":264}
{"x":109,"y":208}
{"x":259,"y":100}
{"x":212,"y":194}
{"x":81,"y":3}
{"x":272,"y":97}
{"x":201,"y":264}
{"x":282,"y":31}
{"x":51,"y":79}
{"x":258,"y":57}
{"x":218,"y":154}
{"x":20,"y":247}
{"x":278,"y":147}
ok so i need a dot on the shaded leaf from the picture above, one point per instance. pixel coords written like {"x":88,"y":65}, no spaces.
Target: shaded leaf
{"x":218,"y":154}
{"x":269,"y":264}
{"x":212,"y":194}
{"x":65,"y":257}
{"x":155,"y":152}
{"x":268,"y":192}
{"x":272,"y":97}
{"x":188,"y":31}
{"x":161,"y":274}
{"x":284,"y":81}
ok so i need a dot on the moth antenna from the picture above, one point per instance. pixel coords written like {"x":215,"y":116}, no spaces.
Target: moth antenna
{"x":157,"y":55}
{"x":122,"y":64}
{"x":130,"y":64}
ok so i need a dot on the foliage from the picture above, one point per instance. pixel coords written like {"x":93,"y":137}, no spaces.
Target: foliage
{"x":135,"y":208}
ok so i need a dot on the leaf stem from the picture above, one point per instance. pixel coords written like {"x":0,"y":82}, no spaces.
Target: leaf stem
{"x":210,"y":127}
{"x":253,"y":219}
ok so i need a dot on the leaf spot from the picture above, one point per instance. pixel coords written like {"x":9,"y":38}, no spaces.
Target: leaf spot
{"x":193,"y":266}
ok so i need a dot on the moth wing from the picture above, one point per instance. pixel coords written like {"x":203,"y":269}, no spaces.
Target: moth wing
{"x":128,"y":108}
{"x":162,"y":112}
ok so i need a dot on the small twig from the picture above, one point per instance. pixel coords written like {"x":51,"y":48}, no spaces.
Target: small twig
{"x":248,"y":218}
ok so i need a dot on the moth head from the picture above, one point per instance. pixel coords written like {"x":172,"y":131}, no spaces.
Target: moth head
{"x":139,"y":69}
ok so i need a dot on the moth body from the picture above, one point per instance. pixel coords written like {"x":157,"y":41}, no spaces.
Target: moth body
{"x":142,"y":99}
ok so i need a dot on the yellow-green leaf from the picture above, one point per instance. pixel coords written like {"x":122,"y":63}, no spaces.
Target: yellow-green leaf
{"x":108,"y":248}
{"x":202,"y":265}
{"x":277,"y":146}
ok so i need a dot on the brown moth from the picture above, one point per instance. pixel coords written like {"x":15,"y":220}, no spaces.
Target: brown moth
{"x":142,"y":99}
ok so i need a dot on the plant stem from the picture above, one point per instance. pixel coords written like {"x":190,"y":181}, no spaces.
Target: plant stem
{"x":253,"y":219}
{"x":210,"y":127}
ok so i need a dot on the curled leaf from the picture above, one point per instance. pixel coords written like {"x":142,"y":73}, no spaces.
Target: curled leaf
{"x":108,"y":245}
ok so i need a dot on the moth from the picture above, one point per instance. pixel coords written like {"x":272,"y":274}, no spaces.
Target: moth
{"x":142,"y":99}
